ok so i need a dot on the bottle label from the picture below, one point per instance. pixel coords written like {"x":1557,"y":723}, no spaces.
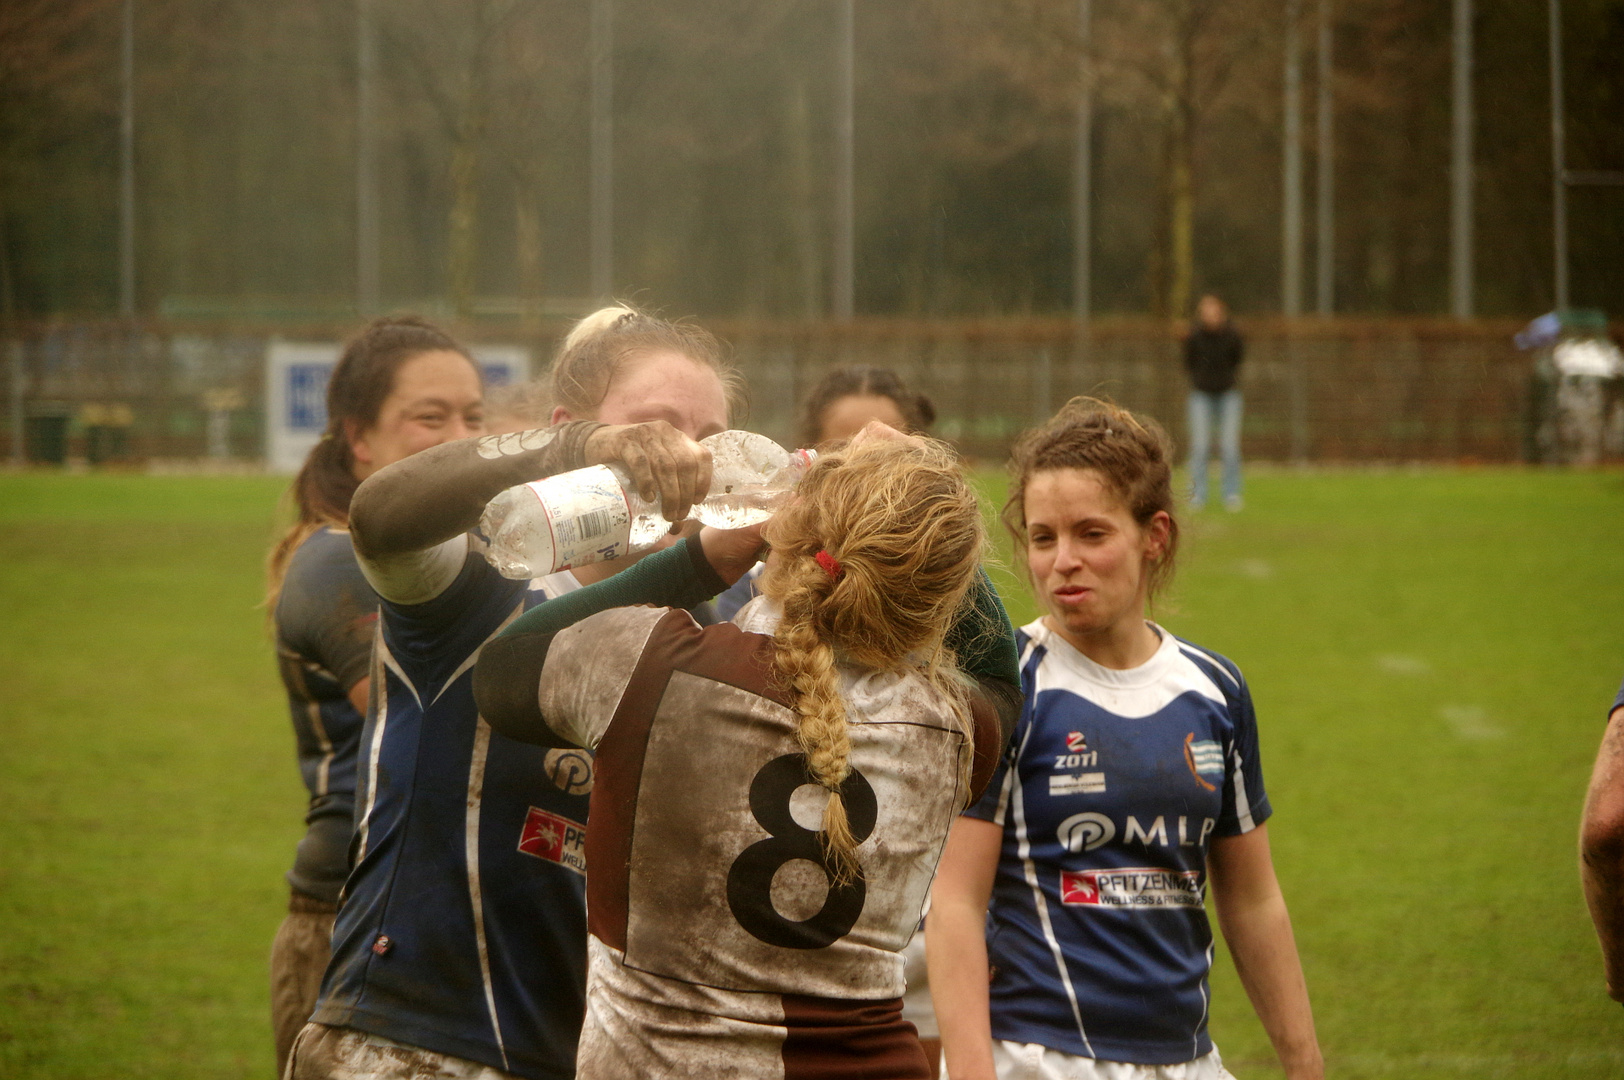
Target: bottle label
{"x":589,"y":516}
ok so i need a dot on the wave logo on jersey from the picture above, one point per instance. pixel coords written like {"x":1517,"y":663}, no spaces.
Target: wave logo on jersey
{"x":556,"y":839}
{"x":1085,"y":832}
{"x":1206,"y":757}
{"x":1133,"y":887}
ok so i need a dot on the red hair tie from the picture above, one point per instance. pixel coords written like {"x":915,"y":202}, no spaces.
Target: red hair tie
{"x":830,"y":564}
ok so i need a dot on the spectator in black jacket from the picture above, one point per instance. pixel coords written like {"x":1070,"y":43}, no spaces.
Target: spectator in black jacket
{"x":1212,"y":354}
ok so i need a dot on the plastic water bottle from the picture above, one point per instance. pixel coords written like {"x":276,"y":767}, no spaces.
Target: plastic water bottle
{"x":593,"y":514}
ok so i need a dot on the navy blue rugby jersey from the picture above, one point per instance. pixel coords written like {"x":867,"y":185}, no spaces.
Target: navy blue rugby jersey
{"x":1113,"y":787}
{"x":326,"y":616}
{"x":463,"y":928}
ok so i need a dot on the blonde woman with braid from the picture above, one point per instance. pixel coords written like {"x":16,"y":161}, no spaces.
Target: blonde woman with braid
{"x":772,"y":794}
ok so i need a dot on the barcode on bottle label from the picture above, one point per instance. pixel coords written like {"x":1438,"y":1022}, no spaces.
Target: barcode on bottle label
{"x":595,"y":522}
{"x":590,"y":519}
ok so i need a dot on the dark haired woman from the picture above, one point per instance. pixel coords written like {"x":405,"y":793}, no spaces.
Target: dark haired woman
{"x":400,"y":386}
{"x":1132,"y":780}
{"x":848,"y":398}
{"x":842,"y":403}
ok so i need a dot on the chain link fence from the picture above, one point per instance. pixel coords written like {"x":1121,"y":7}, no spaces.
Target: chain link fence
{"x":1339,"y":390}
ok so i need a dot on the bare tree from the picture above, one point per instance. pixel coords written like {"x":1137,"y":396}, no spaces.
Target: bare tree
{"x":451,"y":53}
{"x":1171,"y":61}
{"x":1186,"y":53}
{"x":56,"y":86}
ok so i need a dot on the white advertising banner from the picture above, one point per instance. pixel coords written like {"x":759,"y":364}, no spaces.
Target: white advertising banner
{"x":296,"y":374}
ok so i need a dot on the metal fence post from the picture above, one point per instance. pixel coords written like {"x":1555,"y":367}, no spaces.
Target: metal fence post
{"x":19,"y":413}
{"x":1297,"y":364}
{"x":1042,"y":385}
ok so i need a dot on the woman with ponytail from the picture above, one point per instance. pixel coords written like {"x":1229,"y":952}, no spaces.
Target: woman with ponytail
{"x":772,"y":794}
{"x":1132,"y":783}
{"x":400,"y":386}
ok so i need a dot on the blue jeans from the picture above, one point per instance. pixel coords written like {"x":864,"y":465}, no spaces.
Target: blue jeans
{"x":1203,"y":406}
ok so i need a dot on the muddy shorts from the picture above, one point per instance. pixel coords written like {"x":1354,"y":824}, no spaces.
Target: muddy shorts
{"x":335,"y":1053}
{"x":299,"y":956}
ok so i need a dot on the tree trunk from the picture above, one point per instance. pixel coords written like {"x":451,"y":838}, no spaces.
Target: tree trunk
{"x":1180,"y":169}
{"x":803,"y":203}
{"x":1181,"y":219}
{"x":527,"y":251}
{"x":464,"y":215}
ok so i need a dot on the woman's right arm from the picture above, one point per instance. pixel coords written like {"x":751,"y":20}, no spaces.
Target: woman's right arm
{"x":409,"y":520}
{"x":1601,"y":851}
{"x":511,"y":671}
{"x":956,"y":947}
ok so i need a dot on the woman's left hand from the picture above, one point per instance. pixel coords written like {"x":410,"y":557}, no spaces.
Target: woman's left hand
{"x":732,"y":552}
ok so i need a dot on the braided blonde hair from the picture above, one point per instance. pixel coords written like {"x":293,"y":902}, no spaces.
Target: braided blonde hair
{"x":906,"y":531}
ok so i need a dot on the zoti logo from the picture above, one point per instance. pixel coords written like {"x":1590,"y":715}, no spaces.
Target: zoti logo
{"x":1085,"y":832}
{"x":1075,"y":743}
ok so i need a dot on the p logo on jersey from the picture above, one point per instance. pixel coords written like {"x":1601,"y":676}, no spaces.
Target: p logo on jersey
{"x":556,"y":839}
{"x":570,"y":771}
{"x":1085,"y":832}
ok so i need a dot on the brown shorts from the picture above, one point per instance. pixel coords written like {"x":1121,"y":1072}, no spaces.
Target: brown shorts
{"x":299,"y":955}
{"x":335,"y":1053}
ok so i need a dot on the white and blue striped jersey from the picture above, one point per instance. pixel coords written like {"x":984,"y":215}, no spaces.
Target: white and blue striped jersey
{"x":1113,"y":786}
{"x":463,"y":926}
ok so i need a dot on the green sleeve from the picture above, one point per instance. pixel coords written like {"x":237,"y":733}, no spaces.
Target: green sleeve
{"x":983,"y":640}
{"x":981,"y":635}
{"x":678,"y":577}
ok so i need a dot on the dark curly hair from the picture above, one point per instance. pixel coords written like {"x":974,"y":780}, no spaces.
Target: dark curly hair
{"x":1132,"y":455}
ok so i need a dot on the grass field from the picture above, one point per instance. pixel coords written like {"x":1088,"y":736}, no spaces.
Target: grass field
{"x":1432,"y":654}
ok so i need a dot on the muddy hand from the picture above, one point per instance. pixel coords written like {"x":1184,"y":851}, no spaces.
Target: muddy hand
{"x":664,"y":464}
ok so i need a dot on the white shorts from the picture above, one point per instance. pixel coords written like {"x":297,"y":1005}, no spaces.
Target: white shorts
{"x":1030,"y":1061}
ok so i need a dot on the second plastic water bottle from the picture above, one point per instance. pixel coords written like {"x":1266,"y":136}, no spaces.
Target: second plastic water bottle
{"x":593,"y":514}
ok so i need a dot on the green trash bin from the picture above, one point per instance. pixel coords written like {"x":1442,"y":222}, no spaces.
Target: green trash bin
{"x":45,"y":436}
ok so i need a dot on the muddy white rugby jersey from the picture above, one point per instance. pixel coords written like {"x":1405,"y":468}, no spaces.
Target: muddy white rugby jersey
{"x":719,"y":947}
{"x":1113,"y":786}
